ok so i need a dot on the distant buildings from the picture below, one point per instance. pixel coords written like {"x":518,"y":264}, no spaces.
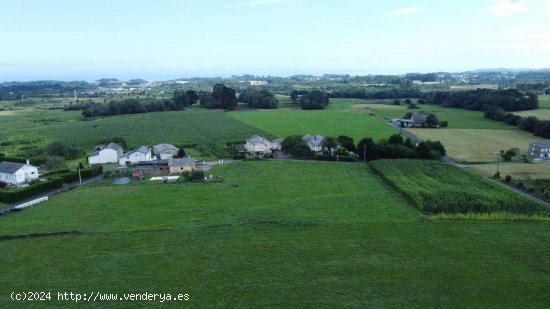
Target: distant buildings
{"x":315,"y":143}
{"x":540,"y":151}
{"x":17,"y":174}
{"x":257,"y":145}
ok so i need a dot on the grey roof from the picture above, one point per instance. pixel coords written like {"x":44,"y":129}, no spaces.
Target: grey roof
{"x":112,"y":146}
{"x":160,"y":148}
{"x":278,"y":140}
{"x":314,"y":140}
{"x":142,"y":149}
{"x":418,"y":118}
{"x":256,"y":139}
{"x":182,"y":162}
{"x":10,"y":167}
{"x":542,"y":144}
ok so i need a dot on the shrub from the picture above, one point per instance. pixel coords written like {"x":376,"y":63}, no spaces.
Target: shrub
{"x":14,"y":195}
{"x":196,"y":175}
{"x":508,"y":178}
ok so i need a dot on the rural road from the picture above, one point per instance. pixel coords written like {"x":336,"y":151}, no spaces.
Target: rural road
{"x":66,"y":187}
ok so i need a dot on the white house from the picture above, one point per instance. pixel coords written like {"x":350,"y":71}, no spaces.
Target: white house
{"x":540,"y":151}
{"x":106,"y":154}
{"x":315,"y":143}
{"x":165,"y":151}
{"x":258,"y":145}
{"x":276,"y":144}
{"x":17,"y":173}
{"x":140,"y":154}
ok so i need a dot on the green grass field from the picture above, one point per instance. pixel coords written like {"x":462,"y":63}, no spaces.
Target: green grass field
{"x":457,"y":118}
{"x":274,"y":234}
{"x":477,"y":145}
{"x":333,"y":121}
{"x":544,"y":101}
{"x":37,"y":128}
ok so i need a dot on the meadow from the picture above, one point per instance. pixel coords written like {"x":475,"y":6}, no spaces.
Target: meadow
{"x":435,"y":187}
{"x":36,"y":128}
{"x":544,"y":101}
{"x":457,"y":118}
{"x":542,"y":114}
{"x":333,"y":121}
{"x":261,"y":238}
{"x":477,"y":145}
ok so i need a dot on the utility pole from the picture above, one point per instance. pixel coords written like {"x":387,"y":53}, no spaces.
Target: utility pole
{"x":79,"y":176}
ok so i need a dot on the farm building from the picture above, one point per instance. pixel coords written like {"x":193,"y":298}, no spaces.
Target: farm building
{"x":258,"y":145}
{"x":165,"y":151}
{"x":418,"y":119}
{"x":276,"y":144}
{"x":404,"y":123}
{"x":106,"y":154}
{"x":540,"y":151}
{"x":165,"y":167}
{"x":17,"y":173}
{"x":140,"y":154}
{"x":315,"y":143}
{"x":178,"y":166}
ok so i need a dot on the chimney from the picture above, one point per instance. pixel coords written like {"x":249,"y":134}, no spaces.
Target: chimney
{"x":28,"y":163}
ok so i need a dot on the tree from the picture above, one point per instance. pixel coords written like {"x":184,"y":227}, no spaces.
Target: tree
{"x":316,"y":99}
{"x":396,"y":139}
{"x":63,"y":150}
{"x":301,"y":150}
{"x":408,"y":101}
{"x":193,"y":96}
{"x":347,"y":142}
{"x":364,"y":146}
{"x":329,"y":144}
{"x":396,"y":102}
{"x":221,"y":97}
{"x":55,"y":163}
{"x":290,"y":141}
{"x":509,"y":154}
{"x":412,"y":106}
{"x":408,"y":115}
{"x":181,"y":153}
{"x":181,"y":99}
{"x":432,"y":121}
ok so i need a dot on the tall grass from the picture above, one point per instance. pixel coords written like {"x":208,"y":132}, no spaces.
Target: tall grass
{"x":434,"y":187}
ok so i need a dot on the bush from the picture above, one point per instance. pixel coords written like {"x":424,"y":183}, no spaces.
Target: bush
{"x":334,"y":158}
{"x":12,"y":196}
{"x":196,"y":175}
{"x":508,"y":178}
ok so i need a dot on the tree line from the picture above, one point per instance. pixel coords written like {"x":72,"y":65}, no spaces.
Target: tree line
{"x":482,"y":99}
{"x":530,"y":124}
{"x":310,"y":100}
{"x":366,"y":149}
{"x":259,"y":99}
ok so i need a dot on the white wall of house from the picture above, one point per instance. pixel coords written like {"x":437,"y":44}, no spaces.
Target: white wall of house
{"x":167,"y":155}
{"x":135,"y":158}
{"x":24,"y":175}
{"x":104,"y":156}
{"x":258,"y":147}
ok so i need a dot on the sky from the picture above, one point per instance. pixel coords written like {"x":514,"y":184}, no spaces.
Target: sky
{"x":160,"y":40}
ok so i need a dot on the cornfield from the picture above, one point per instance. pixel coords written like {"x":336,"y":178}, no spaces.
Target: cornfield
{"x":435,"y":188}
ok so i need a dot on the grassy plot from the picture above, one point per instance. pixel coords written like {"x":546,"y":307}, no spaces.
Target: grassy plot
{"x":192,"y":126}
{"x":331,"y":122}
{"x":544,"y":101}
{"x":435,"y":187}
{"x":477,"y":145}
{"x":516,"y":170}
{"x":274,"y":234}
{"x":457,"y":118}
{"x":542,"y":114}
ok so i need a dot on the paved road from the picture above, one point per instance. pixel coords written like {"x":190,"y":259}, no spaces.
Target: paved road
{"x":65,"y":187}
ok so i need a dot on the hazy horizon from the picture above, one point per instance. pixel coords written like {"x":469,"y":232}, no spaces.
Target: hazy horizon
{"x":68,"y":40}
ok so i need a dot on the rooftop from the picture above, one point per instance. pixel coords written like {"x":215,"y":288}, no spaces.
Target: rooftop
{"x":542,"y":144}
{"x":10,"y":167}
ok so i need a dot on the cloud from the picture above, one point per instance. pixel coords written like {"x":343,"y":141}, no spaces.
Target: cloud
{"x":407,"y":11}
{"x":506,"y":7}
{"x":546,"y":6}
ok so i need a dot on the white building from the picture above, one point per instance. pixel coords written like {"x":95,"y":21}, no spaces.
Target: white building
{"x":276,"y":144}
{"x":258,"y":145}
{"x":165,"y":151}
{"x":315,"y":143}
{"x":540,"y":151}
{"x":140,"y":154}
{"x":17,"y":173}
{"x":106,"y":154}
